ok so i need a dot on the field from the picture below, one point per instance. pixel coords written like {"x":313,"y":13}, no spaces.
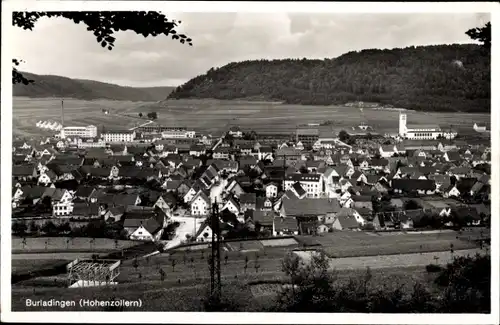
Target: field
{"x":187,"y":273}
{"x":179,"y":292}
{"x":28,"y":111}
{"x":348,"y":244}
{"x":215,"y":116}
{"x":25,"y":265}
{"x":348,"y":250}
{"x":67,"y":244}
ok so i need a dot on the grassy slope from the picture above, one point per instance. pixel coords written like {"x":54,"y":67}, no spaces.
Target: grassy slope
{"x":57,"y":86}
{"x":189,"y":295}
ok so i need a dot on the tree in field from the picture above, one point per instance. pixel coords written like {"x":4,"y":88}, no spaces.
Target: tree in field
{"x":24,"y":242}
{"x":91,"y":243}
{"x":49,"y":228}
{"x":140,"y":114}
{"x":19,"y":228}
{"x":290,"y":266}
{"x":34,"y":228}
{"x":103,"y":24}
{"x":135,"y":264}
{"x":481,"y":34}
{"x":153,"y":115}
{"x":344,"y":136}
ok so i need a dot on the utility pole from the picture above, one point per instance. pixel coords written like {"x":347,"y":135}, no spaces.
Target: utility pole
{"x":215,"y":283}
{"x":62,"y":120}
{"x":62,"y":113}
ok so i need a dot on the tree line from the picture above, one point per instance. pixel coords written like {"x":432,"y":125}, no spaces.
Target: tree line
{"x":426,"y":78}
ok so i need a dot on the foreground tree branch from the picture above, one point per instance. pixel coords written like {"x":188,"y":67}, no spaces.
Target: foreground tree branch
{"x":103,"y":24}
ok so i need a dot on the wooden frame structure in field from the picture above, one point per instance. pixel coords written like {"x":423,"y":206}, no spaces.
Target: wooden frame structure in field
{"x":92,"y":272}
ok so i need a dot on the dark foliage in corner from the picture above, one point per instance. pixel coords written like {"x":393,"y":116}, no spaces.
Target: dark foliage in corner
{"x":103,"y":24}
{"x":464,"y":283}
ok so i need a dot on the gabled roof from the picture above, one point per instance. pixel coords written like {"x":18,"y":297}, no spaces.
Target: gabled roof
{"x":247,"y":160}
{"x":67,"y":160}
{"x":308,"y":206}
{"x":22,"y":171}
{"x":84,"y":191}
{"x":264,"y":218}
{"x":248,"y":198}
{"x":33,"y":192}
{"x":117,"y":210}
{"x":85,"y":209}
{"x":453,"y":155}
{"x":465,"y":184}
{"x":99,"y":172}
{"x":347,"y":222}
{"x":203,"y":194}
{"x":466,"y":213}
{"x":233,"y":202}
{"x":285,"y":224}
{"x":298,"y":189}
{"x":361,"y":198}
{"x":169,"y":198}
{"x":408,"y":185}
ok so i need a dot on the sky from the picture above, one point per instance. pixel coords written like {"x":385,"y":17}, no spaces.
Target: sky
{"x":60,"y":47}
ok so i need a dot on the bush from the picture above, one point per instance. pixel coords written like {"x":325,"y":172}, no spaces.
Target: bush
{"x":19,"y":228}
{"x":433,"y":268}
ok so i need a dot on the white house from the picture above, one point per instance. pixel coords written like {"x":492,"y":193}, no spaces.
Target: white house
{"x":141,"y":233}
{"x":312,"y":183}
{"x":232,"y":206}
{"x":479,"y":127}
{"x":204,"y":233}
{"x":164,"y":206}
{"x":271,"y":190}
{"x":235,"y":132}
{"x":200,"y":205}
{"x":190,"y":194}
{"x":452,"y":192}
{"x":47,"y":177}
{"x":119,"y":136}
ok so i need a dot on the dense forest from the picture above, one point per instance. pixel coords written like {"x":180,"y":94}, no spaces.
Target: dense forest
{"x":57,"y":86}
{"x":427,"y":78}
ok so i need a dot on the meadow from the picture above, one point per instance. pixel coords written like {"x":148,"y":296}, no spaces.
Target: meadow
{"x":26,"y":112}
{"x":187,"y":272}
{"x":215,"y":116}
{"x":252,"y":291}
{"x":67,"y":244}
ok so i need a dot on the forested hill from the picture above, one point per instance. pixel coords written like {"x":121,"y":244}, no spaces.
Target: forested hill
{"x":57,"y":86}
{"x":428,"y":78}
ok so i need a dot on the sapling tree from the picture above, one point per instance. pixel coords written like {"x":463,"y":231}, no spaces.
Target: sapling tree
{"x":135,"y":264}
{"x":103,"y":24}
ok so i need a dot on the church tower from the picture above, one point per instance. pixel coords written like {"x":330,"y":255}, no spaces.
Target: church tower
{"x":402,"y":124}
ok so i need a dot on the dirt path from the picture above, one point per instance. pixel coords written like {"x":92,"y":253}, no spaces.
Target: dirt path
{"x":401,"y":260}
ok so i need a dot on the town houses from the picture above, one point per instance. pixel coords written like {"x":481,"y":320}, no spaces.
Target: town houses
{"x":304,"y":185}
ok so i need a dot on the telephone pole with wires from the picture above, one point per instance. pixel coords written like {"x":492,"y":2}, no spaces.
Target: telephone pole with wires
{"x":215,"y":282}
